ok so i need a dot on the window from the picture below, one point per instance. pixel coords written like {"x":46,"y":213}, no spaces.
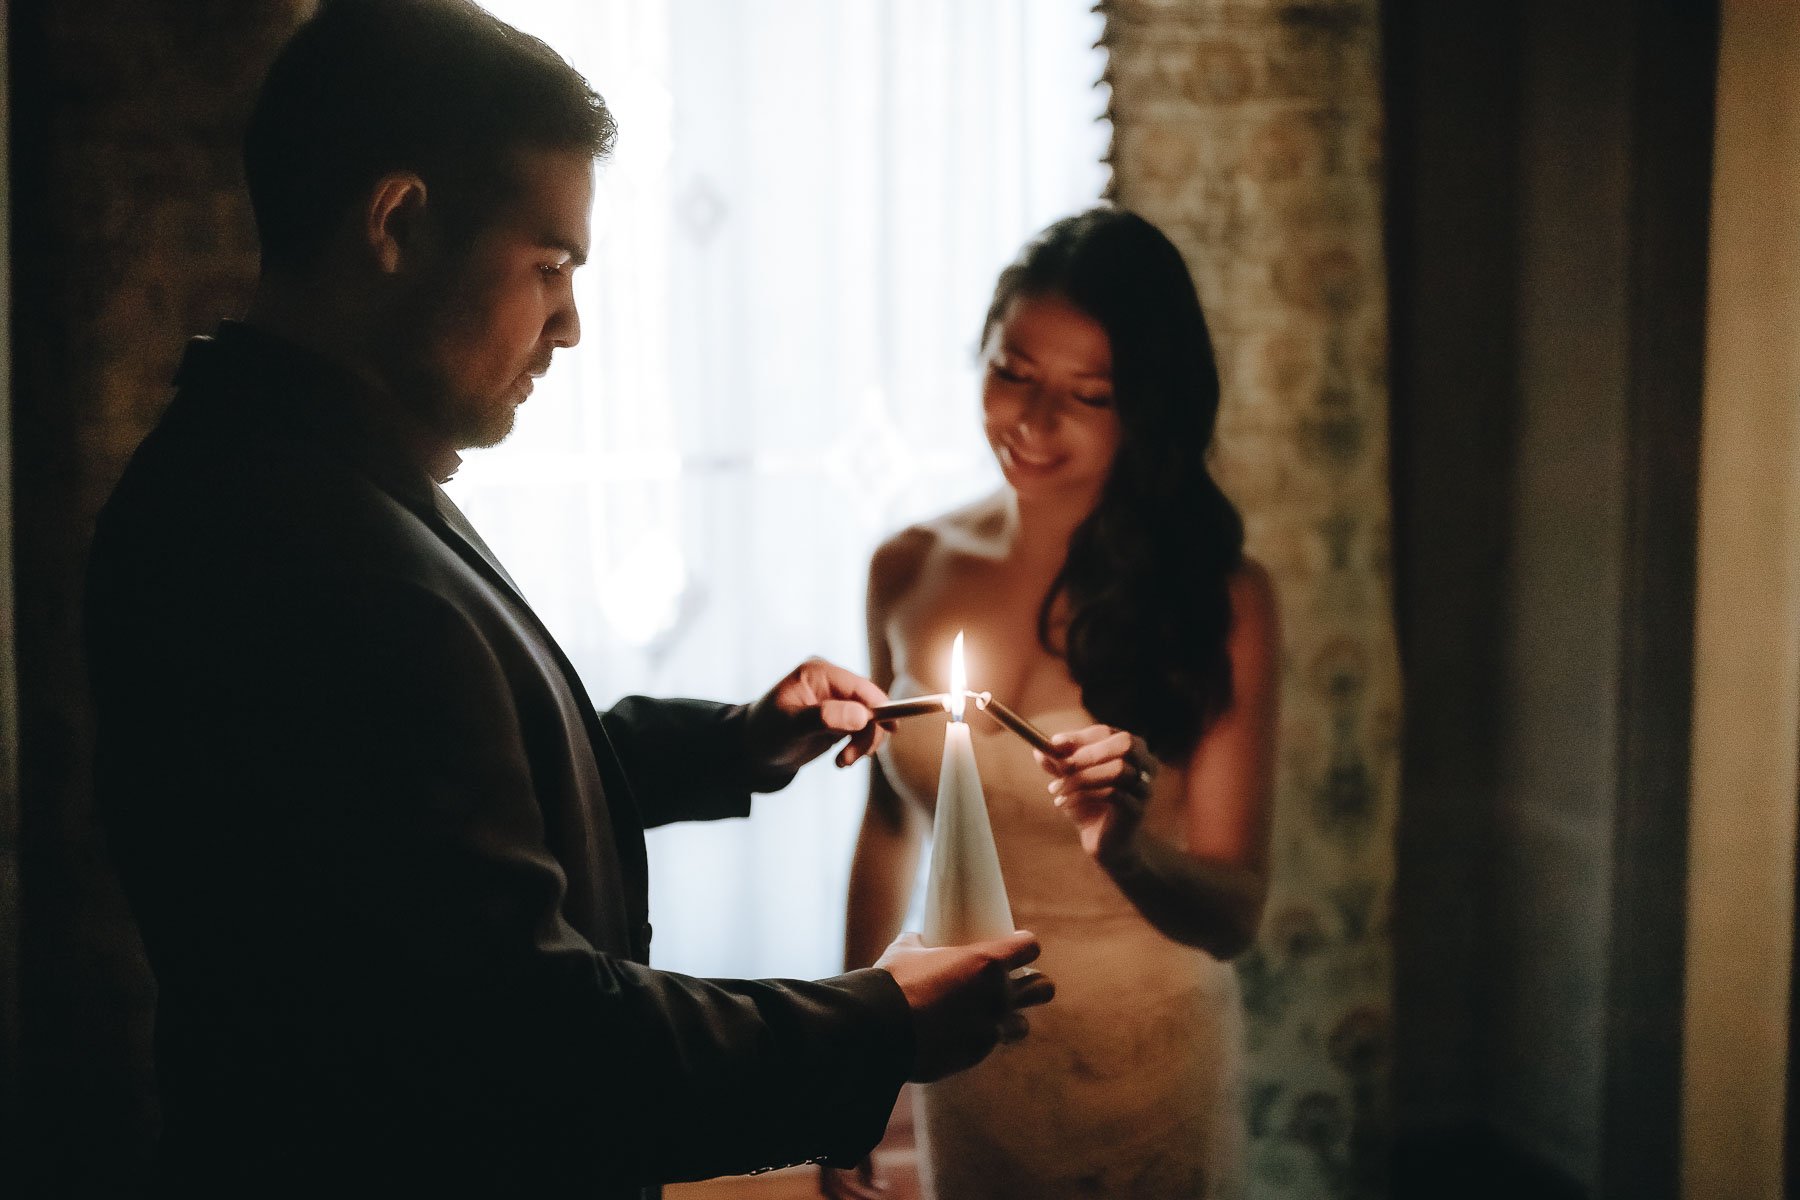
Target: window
{"x":794,"y":243}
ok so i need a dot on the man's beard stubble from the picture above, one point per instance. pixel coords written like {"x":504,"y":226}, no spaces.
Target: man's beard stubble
{"x":430,"y":393}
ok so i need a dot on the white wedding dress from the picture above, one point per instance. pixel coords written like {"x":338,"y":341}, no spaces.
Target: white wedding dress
{"x":1130,"y":1084}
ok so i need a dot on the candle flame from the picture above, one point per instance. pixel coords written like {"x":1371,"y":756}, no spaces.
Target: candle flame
{"x":959,"y":679}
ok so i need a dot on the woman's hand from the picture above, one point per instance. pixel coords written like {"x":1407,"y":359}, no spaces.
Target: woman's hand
{"x":1101,"y":779}
{"x":858,"y":1183}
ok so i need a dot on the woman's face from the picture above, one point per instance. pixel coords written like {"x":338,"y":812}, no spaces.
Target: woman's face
{"x":1047,"y":398}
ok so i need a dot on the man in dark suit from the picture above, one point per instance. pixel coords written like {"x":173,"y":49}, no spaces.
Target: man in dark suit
{"x":387,"y":858}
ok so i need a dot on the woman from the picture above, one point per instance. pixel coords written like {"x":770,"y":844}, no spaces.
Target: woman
{"x":1104,"y":592}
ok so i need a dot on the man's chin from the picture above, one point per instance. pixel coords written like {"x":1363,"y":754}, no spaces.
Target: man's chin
{"x":494,"y":434}
{"x":491,"y":432}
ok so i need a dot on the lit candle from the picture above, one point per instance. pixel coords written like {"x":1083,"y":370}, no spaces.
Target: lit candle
{"x":965,"y":898}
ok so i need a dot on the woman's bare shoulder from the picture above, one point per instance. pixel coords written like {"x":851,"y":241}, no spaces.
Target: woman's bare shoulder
{"x":897,"y":562}
{"x":902,"y":559}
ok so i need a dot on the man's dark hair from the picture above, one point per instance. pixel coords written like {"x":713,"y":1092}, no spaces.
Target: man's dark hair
{"x":438,"y":87}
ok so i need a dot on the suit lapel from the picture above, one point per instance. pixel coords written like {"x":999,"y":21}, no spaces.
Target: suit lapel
{"x":459,"y":526}
{"x":455,"y":530}
{"x":300,"y":393}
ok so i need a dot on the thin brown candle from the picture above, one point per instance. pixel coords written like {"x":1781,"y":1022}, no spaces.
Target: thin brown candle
{"x":922,"y":706}
{"x":986,"y":703}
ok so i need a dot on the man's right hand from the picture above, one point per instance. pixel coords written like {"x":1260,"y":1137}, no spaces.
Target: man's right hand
{"x":962,"y":998}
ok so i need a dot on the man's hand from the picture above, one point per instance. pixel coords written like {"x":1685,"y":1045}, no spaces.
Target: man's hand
{"x":808,"y":711}
{"x":860,"y":1182}
{"x":962,"y":998}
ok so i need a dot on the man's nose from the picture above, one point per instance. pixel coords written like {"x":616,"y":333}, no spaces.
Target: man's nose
{"x":564,"y":326}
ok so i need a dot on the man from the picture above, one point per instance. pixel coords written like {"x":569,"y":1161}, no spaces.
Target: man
{"x":387,"y":858}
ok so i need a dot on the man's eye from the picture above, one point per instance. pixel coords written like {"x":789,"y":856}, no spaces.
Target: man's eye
{"x":1096,"y":399}
{"x":1001,"y":372}
{"x":558,"y":270}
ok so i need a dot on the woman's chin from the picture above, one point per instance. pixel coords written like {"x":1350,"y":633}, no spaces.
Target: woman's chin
{"x":1047,"y":485}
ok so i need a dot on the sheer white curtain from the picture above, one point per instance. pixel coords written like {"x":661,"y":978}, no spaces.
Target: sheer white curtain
{"x":794,"y":243}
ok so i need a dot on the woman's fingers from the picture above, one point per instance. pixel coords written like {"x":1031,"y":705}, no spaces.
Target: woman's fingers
{"x":1111,"y":775}
{"x":1085,"y":747}
{"x":1102,"y":780}
{"x":1113,"y":746}
{"x":1099,"y":748}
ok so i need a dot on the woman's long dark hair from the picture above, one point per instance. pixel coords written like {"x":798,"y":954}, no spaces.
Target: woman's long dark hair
{"x":1148,"y":572}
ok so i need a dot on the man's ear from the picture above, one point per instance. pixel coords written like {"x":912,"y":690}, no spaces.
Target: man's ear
{"x":394,"y":220}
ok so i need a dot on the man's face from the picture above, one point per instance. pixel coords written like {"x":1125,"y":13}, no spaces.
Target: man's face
{"x":494,"y":309}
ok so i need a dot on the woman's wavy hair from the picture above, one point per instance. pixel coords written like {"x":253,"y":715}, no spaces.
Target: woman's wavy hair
{"x":1148,"y":571}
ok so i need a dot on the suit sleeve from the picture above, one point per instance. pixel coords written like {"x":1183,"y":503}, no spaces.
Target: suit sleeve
{"x":394,"y":902}
{"x":685,"y":760}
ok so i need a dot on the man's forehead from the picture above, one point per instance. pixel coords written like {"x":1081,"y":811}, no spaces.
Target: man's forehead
{"x":554,"y":199}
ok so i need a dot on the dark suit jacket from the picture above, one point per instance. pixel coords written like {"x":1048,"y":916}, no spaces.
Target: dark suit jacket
{"x":387,"y":858}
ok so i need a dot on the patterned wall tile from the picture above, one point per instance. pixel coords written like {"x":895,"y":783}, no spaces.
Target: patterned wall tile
{"x":1251,"y":132}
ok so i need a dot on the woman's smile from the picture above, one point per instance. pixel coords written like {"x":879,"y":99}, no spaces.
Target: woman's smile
{"x":1032,"y":462}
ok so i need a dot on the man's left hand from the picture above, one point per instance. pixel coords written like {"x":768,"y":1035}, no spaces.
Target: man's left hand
{"x":809,"y":711}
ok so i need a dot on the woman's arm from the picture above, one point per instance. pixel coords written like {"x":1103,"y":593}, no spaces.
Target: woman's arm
{"x":1210,"y":892}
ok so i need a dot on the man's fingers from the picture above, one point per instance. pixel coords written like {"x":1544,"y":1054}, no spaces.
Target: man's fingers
{"x":854,"y":718}
{"x":1030,"y":987}
{"x":1013,"y":1028}
{"x":845,"y":716}
{"x":849,"y":1185}
{"x":910,"y":940}
{"x":820,"y":698}
{"x":860,"y":1183}
{"x":862,"y":744}
{"x":833,"y":680}
{"x":1015,"y":949}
